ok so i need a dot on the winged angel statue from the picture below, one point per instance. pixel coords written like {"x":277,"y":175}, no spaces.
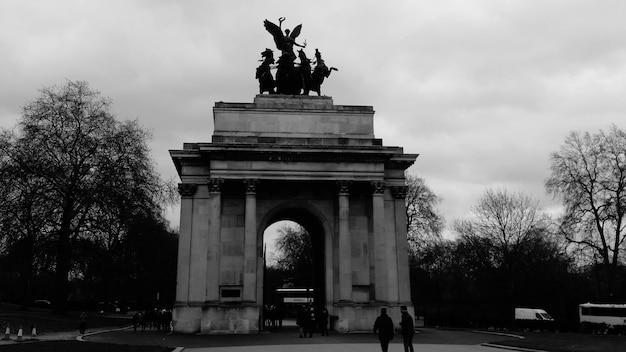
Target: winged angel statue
{"x":290,"y":78}
{"x":285,"y":42}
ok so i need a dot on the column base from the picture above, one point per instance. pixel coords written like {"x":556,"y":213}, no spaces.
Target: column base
{"x":221,"y":319}
{"x":361,"y":317}
{"x":186,"y":320}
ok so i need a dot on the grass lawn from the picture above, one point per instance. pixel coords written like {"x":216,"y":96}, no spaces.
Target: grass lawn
{"x":569,"y":342}
{"x":77,"y":346}
{"x":46,"y":322}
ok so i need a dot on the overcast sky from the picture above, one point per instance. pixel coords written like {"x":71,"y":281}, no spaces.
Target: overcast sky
{"x":484,"y":91}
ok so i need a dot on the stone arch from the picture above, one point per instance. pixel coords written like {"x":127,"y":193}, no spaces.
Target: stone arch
{"x":315,"y":162}
{"x":316,"y":223}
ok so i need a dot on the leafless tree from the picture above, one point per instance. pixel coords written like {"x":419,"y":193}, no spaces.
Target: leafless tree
{"x":294,"y":254}
{"x":506,"y":221}
{"x":91,"y":172}
{"x":424,"y":222}
{"x":501,"y":235}
{"x":589,"y":176}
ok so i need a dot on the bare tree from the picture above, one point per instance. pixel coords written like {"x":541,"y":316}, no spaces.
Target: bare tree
{"x":589,"y":176}
{"x":94,"y":171}
{"x":294,"y":254}
{"x":507,"y":220}
{"x":24,"y":219}
{"x":504,"y":229}
{"x":424,"y":222}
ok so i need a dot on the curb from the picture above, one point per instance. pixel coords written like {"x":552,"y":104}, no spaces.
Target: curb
{"x":81,"y":337}
{"x":505,"y":347}
{"x":510,"y":348}
{"x":499,"y":334}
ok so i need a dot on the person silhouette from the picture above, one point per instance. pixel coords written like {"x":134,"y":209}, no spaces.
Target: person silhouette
{"x":384,"y":327}
{"x":407,"y":329}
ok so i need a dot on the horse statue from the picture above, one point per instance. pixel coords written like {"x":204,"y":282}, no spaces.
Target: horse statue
{"x":320,"y":72}
{"x":263,"y":74}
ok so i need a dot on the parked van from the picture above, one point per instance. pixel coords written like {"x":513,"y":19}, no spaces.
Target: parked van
{"x":533,"y":318}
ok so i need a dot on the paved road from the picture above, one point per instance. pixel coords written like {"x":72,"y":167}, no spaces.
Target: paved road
{"x":356,"y":347}
{"x":434,"y":340}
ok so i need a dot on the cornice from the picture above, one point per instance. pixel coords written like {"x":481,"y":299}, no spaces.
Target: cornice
{"x":202,"y":154}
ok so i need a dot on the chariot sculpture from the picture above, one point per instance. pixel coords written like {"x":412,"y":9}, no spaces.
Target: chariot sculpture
{"x":292,"y":78}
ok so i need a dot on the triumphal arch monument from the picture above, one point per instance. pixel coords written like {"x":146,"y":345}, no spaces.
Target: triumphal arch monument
{"x":290,"y":157}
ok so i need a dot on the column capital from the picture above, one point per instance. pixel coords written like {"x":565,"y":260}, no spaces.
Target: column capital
{"x":399,"y":191}
{"x":187,"y":189}
{"x":250,"y":184}
{"x":215,"y":185}
{"x":378,"y":187}
{"x":343,"y":187}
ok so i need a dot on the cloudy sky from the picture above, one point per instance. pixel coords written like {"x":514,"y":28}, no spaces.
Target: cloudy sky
{"x":484,"y":91}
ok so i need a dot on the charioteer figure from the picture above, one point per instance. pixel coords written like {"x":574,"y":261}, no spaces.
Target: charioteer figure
{"x":286,"y":42}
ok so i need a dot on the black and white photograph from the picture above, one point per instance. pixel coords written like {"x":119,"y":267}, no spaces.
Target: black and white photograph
{"x":358,"y":175}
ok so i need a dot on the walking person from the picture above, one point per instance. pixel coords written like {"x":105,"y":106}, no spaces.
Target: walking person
{"x":384,"y":327}
{"x":301,"y":321}
{"x":82,"y":323}
{"x":407,"y":329}
{"x":310,"y":322}
{"x":136,"y":320}
{"x":323,"y":321}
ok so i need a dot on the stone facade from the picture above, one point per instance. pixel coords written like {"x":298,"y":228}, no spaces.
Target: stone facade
{"x":298,"y":158}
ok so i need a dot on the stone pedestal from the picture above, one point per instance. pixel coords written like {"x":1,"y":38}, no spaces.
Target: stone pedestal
{"x":360,"y":318}
{"x":224,"y":319}
{"x":187,"y":320}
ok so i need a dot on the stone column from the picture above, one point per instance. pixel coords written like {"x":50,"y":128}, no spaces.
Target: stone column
{"x":345,"y":243}
{"x":391,"y":238}
{"x":381,"y":272}
{"x":250,"y":244}
{"x":213,"y":248}
{"x":404,"y":285}
{"x":199,"y":248}
{"x":187,"y":191}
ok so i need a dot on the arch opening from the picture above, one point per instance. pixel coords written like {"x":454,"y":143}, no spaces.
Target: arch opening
{"x":304,"y":283}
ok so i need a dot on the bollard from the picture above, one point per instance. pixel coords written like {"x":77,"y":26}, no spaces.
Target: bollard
{"x":7,"y":334}
{"x":19,"y":334}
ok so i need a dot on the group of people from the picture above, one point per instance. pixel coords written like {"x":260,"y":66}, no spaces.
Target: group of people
{"x":384,"y":327}
{"x":309,"y":318}
{"x":153,"y":319}
{"x":273,"y":317}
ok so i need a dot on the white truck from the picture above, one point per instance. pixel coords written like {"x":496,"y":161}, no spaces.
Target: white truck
{"x":533,"y":319}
